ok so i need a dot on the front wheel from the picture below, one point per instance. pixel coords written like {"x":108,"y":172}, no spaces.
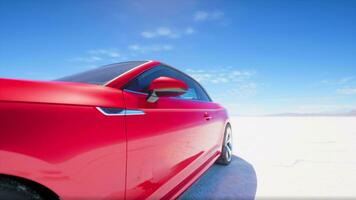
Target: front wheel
{"x":226,"y":152}
{"x":11,"y":189}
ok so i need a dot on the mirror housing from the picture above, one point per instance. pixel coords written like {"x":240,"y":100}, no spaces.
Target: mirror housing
{"x":165,"y":87}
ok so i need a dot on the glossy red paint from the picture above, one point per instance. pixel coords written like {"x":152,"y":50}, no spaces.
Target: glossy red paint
{"x":53,"y":134}
{"x":59,"y":93}
{"x":167,"y":83}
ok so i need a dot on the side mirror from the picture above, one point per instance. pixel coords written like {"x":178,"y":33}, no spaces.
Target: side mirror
{"x":165,"y":87}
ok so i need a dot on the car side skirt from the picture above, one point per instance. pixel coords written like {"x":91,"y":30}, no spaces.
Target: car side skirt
{"x":186,"y":183}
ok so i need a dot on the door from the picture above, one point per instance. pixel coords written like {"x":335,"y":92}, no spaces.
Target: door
{"x":168,"y":139}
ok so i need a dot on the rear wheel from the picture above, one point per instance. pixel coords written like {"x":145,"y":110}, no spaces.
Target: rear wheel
{"x":14,"y":190}
{"x":226,"y":152}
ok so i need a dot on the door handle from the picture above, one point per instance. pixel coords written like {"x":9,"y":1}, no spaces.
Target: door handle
{"x":207,"y":116}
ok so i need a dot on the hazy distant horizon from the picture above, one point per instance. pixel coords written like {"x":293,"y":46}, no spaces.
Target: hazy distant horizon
{"x":351,"y":113}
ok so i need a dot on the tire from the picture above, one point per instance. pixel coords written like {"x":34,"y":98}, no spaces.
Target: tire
{"x":226,"y":152}
{"x":14,"y":190}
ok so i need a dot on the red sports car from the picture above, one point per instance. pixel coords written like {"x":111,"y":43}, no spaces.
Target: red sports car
{"x":132,"y":130}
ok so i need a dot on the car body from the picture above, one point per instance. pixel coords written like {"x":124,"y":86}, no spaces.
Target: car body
{"x":95,"y":135}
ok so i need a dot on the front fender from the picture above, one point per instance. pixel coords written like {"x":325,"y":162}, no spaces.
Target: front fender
{"x":72,"y":150}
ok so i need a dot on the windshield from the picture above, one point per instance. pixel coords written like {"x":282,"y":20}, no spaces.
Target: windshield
{"x":102,"y":75}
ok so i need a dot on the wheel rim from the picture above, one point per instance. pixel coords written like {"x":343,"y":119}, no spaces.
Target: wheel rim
{"x":228,"y":143}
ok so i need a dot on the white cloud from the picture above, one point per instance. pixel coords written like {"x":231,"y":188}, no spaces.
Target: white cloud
{"x":227,"y":83}
{"x":167,"y":32}
{"x":88,"y":59}
{"x":200,"y":16}
{"x":150,"y":48}
{"x":221,"y":75}
{"x":216,"y":15}
{"x":148,"y":34}
{"x":204,"y":15}
{"x":164,"y":31}
{"x":99,"y":55}
{"x":347,"y":91}
{"x":236,"y":91}
{"x":340,"y":81}
{"x":189,"y":31}
{"x":247,"y":89}
{"x":160,"y":32}
{"x":105,"y":52}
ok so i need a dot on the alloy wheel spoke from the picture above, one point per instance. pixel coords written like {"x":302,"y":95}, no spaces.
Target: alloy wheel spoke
{"x":228,"y":144}
{"x":229,"y":148}
{"x":228,"y":151}
{"x":228,"y":135}
{"x":228,"y":138}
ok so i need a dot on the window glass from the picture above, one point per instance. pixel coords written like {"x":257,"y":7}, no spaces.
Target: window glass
{"x":102,"y":75}
{"x":142,"y":82}
{"x":203,"y":96}
{"x":190,"y":94}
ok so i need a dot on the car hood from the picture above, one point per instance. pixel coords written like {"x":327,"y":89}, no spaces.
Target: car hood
{"x":59,"y":93}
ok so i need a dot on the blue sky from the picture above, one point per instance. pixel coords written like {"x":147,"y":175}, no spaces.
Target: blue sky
{"x":254,"y":57}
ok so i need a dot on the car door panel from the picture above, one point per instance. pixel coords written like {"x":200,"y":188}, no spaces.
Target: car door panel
{"x":168,"y":141}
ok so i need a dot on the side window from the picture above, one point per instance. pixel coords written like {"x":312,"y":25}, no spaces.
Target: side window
{"x":203,"y":96}
{"x":141,"y":82}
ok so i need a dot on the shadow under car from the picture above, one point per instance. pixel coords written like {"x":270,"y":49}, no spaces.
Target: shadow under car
{"x":235,"y":181}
